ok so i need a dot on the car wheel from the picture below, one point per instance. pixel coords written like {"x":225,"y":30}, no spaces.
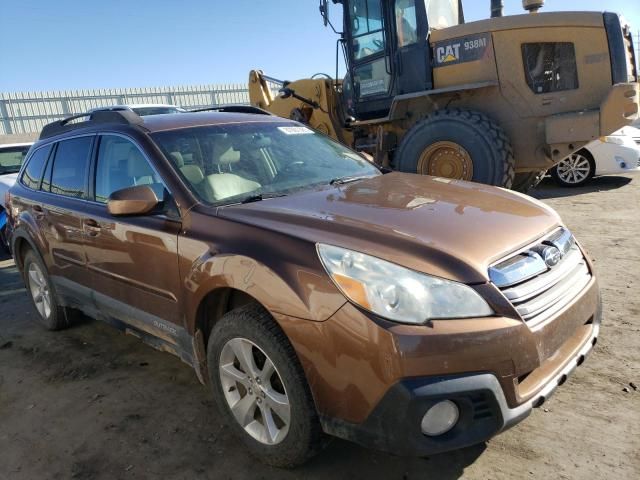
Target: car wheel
{"x":51,"y":315}
{"x":260,"y":387}
{"x":576,"y":170}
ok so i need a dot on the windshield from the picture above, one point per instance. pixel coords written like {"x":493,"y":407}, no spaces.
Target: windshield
{"x":366,"y":28}
{"x":146,"y":111}
{"x":225,"y":164}
{"x":11,"y":159}
{"x":442,"y":13}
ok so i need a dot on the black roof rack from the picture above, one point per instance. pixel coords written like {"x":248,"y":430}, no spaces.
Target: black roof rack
{"x":123,"y":117}
{"x":232,"y":109}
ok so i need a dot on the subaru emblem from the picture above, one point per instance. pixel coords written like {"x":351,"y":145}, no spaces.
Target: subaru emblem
{"x":551,"y":256}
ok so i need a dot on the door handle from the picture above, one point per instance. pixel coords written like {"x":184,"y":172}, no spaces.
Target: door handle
{"x":91,"y":227}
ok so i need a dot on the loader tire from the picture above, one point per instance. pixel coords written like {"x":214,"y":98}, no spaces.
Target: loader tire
{"x":460,"y":144}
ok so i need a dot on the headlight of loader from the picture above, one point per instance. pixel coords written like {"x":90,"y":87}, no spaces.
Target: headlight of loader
{"x":397,"y":293}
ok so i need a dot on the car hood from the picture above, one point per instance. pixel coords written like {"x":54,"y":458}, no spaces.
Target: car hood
{"x":443,"y":227}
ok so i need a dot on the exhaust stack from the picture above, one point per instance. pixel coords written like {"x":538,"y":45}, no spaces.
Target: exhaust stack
{"x":496,"y":8}
{"x":532,"y":6}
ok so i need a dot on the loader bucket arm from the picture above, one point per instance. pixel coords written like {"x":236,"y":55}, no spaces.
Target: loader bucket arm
{"x":260,"y":94}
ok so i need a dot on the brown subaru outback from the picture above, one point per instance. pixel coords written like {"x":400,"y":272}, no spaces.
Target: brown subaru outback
{"x":314,"y":293}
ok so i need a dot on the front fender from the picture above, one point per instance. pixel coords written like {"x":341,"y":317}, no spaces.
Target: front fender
{"x":305,"y":294}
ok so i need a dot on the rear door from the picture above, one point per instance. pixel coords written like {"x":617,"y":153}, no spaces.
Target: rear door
{"x":133,"y":261}
{"x":64,"y":198}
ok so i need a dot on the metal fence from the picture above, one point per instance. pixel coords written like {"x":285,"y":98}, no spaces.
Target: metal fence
{"x":28,"y":112}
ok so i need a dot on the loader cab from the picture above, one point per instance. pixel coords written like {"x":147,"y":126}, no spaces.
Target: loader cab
{"x":387,"y":48}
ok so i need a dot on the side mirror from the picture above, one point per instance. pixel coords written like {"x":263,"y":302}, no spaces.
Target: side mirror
{"x":138,"y":200}
{"x":324,"y":11}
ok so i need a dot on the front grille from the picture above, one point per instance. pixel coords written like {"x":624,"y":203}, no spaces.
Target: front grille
{"x":537,"y":298}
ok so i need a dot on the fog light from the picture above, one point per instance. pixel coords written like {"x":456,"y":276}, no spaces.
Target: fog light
{"x":440,"y":418}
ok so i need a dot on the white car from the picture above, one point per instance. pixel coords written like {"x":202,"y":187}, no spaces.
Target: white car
{"x":11,"y":158}
{"x":143,"y":109}
{"x":617,"y":153}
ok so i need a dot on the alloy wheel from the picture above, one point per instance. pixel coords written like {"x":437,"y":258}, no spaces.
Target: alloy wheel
{"x":254,"y":391}
{"x":574,"y":169}
{"x":39,"y":289}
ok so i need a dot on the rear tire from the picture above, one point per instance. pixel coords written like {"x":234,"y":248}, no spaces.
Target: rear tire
{"x":576,"y":170}
{"x":240,"y":347}
{"x":458,"y":144}
{"x":42,"y":293}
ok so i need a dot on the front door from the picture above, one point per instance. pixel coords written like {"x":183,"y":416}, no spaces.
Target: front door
{"x":412,"y":52}
{"x":133,"y":261}
{"x":369,"y":57}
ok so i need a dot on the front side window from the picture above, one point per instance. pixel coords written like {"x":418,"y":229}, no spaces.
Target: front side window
{"x":225,"y":164}
{"x":120,"y":165}
{"x":366,"y":17}
{"x":406,"y":22}
{"x":69,"y":171}
{"x":550,"y":67}
{"x":32,"y":174}
{"x":11,"y":159}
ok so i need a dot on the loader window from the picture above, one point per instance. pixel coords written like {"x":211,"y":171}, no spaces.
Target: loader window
{"x":366,"y":28}
{"x":406,"y":22}
{"x":550,"y":67}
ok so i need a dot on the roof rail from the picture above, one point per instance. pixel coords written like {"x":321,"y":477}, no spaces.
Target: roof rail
{"x":232,"y":109}
{"x":123,"y":117}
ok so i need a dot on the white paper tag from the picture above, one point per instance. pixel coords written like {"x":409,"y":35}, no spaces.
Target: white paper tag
{"x":295,"y":130}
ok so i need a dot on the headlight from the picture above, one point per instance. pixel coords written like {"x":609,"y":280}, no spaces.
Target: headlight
{"x":616,"y":140}
{"x":397,"y":293}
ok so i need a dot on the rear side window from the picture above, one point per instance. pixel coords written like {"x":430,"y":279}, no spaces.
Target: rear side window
{"x":33,"y":171}
{"x":69,"y":172}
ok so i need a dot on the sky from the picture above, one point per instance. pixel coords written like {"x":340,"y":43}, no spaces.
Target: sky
{"x":82,"y":44}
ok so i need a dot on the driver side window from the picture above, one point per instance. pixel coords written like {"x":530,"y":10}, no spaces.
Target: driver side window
{"x":121,"y":164}
{"x":406,"y":22}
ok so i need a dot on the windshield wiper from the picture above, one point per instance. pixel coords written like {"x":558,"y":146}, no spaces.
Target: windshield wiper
{"x":262,"y":196}
{"x":343,"y":180}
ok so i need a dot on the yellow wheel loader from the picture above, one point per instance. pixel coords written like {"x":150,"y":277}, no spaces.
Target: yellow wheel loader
{"x":496,"y":101}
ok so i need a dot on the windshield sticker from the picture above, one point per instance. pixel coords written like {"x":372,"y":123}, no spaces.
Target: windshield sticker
{"x":295,"y":130}
{"x":372,"y":87}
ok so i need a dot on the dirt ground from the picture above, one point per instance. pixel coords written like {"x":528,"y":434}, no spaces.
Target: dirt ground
{"x":92,"y":403}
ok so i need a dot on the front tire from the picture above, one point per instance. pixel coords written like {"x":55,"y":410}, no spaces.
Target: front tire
{"x":576,"y":170}
{"x":460,"y":144}
{"x":260,"y":388}
{"x":38,"y":283}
